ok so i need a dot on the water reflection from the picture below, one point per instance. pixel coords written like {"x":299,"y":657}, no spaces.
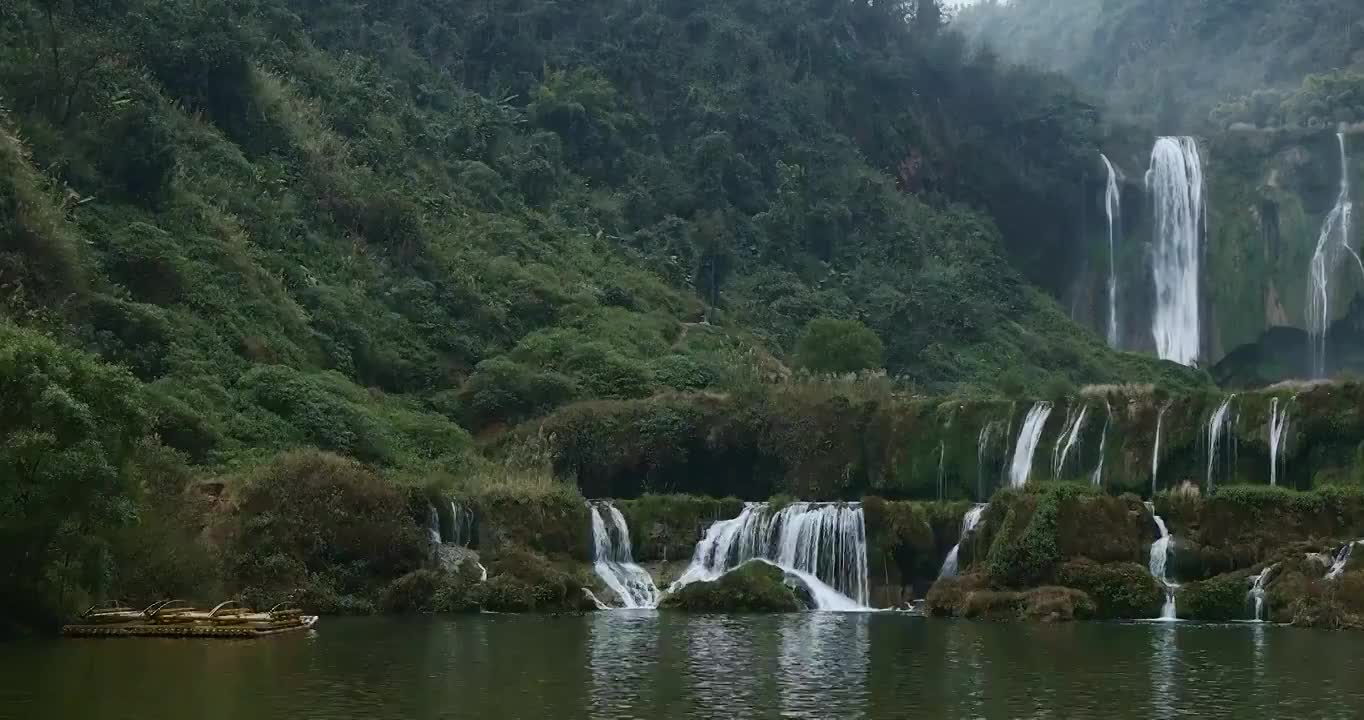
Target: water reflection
{"x":1164,"y":664}
{"x":822,"y":668}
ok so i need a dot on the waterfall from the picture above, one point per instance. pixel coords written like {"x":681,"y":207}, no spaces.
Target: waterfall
{"x":1028,"y":438}
{"x":1112,"y":208}
{"x":1175,"y":180}
{"x":1097,"y":479}
{"x":1278,"y":425}
{"x":1217,"y":428}
{"x":1324,"y":261}
{"x":433,"y":523}
{"x":824,"y":544}
{"x":989,"y":437}
{"x":1257,"y":591}
{"x":461,"y":525}
{"x":1155,"y":452}
{"x":942,"y":455}
{"x":1342,"y":558}
{"x":612,"y":560}
{"x":969,"y":521}
{"x":1160,"y":554}
{"x":1066,"y":440}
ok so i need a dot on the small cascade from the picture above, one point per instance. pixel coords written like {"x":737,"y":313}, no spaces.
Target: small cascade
{"x":1160,"y":555}
{"x":824,"y":544}
{"x":1334,"y":237}
{"x":969,"y":521}
{"x":613,"y":562}
{"x":1218,"y":428}
{"x":1028,"y":438}
{"x":1113,"y":209}
{"x":942,"y":456}
{"x":1278,"y":425}
{"x":1256,"y":596}
{"x":1341,"y":559}
{"x":1066,"y":440}
{"x":1175,"y":183}
{"x":433,"y":524}
{"x":1097,"y":479}
{"x":989,"y":435}
{"x":1005,"y":467}
{"x":461,"y":525}
{"x":1155,"y":452}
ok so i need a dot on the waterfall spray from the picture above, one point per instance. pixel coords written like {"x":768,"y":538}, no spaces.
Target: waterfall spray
{"x":824,"y":544}
{"x":1028,"y":438}
{"x":1218,"y":427}
{"x":1097,"y":479}
{"x":1066,"y":440}
{"x":1278,"y":426}
{"x":1155,"y":451}
{"x":1175,"y":182}
{"x":969,"y":521}
{"x":1334,"y":237}
{"x":1159,"y":557}
{"x":613,"y":560}
{"x":1113,"y":209}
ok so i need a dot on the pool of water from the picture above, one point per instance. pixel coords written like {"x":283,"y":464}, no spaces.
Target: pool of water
{"x":668,"y":665}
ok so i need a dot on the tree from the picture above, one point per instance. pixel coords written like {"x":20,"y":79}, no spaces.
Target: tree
{"x":838,"y":346}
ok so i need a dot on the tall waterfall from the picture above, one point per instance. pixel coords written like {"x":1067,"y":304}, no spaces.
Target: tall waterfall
{"x":1028,"y":438}
{"x":1218,"y":428}
{"x":1066,"y":440}
{"x":1278,"y":425}
{"x":1175,"y":182}
{"x":1113,"y":209}
{"x":1097,"y":479}
{"x":613,"y":561}
{"x":969,"y":521}
{"x":1334,"y":237}
{"x":824,"y":544}
{"x":1160,"y":555}
{"x":1155,"y":452}
{"x":1257,"y":591}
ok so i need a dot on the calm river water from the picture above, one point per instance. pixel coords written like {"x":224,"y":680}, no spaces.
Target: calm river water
{"x":658,"y":666}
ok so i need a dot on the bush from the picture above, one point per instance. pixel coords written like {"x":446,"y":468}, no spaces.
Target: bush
{"x":1219,"y":599}
{"x":1119,"y":590}
{"x":755,"y":586}
{"x":838,"y":346}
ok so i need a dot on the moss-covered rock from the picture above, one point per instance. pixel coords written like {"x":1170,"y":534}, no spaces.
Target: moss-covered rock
{"x":1119,"y":590}
{"x":553,"y":523}
{"x":521,"y":580}
{"x":1217,"y":599}
{"x":906,"y":544}
{"x":969,"y":596}
{"x":665,"y":528}
{"x":754,"y":586}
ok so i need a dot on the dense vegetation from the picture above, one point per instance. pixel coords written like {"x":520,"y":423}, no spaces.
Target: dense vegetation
{"x":229,"y":230}
{"x":1167,"y":63}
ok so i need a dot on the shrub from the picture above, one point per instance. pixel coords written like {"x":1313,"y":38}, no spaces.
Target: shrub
{"x":838,"y":346}
{"x":1119,"y":590}
{"x":1218,"y":599}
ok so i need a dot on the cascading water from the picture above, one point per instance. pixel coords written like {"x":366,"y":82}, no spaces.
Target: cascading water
{"x":942,"y":457}
{"x":1256,"y":595}
{"x":1218,"y":426}
{"x":1066,"y":440}
{"x":461,"y":525}
{"x":1028,"y":439}
{"x":613,"y":562}
{"x":986,"y":440}
{"x":1342,"y":558}
{"x":1113,"y":209}
{"x":1334,"y":237}
{"x":969,"y":521}
{"x":1155,"y":451}
{"x":823,"y":544}
{"x":1160,"y":555}
{"x":433,"y":524}
{"x":1278,"y":426}
{"x":1097,"y":479}
{"x":1175,"y":182}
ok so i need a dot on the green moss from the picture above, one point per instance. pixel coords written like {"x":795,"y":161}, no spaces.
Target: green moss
{"x":665,"y":528}
{"x":1217,"y":599}
{"x":1119,"y":590}
{"x":521,"y":580}
{"x":754,"y":586}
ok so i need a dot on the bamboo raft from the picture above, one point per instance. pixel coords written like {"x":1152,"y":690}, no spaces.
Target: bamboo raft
{"x":173,"y":618}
